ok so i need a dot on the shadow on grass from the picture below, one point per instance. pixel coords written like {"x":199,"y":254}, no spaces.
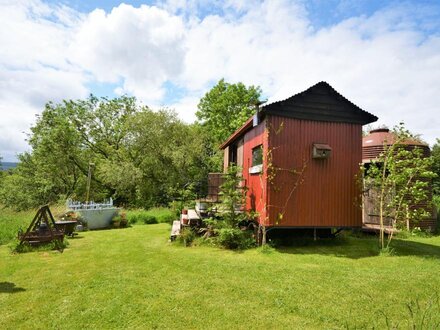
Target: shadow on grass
{"x":8,"y":287}
{"x":411,"y":248}
{"x":74,"y":238}
{"x":357,"y":248}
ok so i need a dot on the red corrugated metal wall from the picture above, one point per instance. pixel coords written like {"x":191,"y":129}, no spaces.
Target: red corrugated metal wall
{"x":328,"y":195}
{"x":256,"y":195}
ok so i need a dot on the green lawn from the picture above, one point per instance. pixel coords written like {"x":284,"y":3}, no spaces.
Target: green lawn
{"x":134,"y":278}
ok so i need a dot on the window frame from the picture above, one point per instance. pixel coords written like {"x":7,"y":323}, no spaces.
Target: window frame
{"x":257,"y":160}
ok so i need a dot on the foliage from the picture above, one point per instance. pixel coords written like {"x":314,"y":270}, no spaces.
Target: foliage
{"x":435,"y":152}
{"x":151,"y":216}
{"x":135,"y":279}
{"x":436,"y":201}
{"x":14,"y":190}
{"x":233,"y":197}
{"x":227,"y":231}
{"x":149,"y":219}
{"x":11,"y":222}
{"x":221,"y":111}
{"x":226,"y":107}
{"x":266,"y":249}
{"x":401,"y":176}
{"x":1,"y":170}
{"x":142,"y":158}
{"x":235,"y":238}
{"x":186,"y":200}
{"x":187,"y":236}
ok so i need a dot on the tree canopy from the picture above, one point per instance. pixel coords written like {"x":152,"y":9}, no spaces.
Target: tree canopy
{"x":141,"y":157}
{"x":436,"y":167}
{"x":226,"y":107}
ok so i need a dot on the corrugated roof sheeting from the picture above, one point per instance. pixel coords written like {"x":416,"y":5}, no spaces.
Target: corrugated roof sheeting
{"x":319,"y":102}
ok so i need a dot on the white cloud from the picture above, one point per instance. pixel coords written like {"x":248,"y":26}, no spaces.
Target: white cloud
{"x":186,"y":107}
{"x":141,"y":46}
{"x":383,"y":63}
{"x":34,"y":67}
{"x":34,"y":33}
{"x":387,"y":63}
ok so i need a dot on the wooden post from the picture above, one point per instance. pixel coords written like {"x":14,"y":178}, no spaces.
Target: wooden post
{"x":89,"y":181}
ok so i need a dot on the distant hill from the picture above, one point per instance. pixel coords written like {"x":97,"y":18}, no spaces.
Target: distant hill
{"x":7,"y":165}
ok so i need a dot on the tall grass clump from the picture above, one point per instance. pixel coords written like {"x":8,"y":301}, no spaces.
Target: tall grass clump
{"x":11,"y":222}
{"x":151,"y":216}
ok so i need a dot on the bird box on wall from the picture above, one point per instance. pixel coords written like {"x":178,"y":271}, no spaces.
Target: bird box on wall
{"x":321,"y":151}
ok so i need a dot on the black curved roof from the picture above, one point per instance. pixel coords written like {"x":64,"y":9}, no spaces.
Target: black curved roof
{"x":320,"y":102}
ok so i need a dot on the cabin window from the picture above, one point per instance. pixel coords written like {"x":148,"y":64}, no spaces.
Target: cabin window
{"x":257,"y":155}
{"x":233,"y":154}
{"x":257,"y":160}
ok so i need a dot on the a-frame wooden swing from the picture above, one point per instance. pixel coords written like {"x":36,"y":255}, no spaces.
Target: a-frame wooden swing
{"x":42,"y":230}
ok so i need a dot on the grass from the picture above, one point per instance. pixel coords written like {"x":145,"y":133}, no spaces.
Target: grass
{"x":158,"y":214}
{"x":11,"y":221}
{"x":134,"y":278}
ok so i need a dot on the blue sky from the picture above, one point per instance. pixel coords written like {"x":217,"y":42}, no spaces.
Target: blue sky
{"x":382,"y":55}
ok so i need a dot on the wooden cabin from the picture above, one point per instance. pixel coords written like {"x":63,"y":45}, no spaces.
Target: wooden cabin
{"x":300,"y":159}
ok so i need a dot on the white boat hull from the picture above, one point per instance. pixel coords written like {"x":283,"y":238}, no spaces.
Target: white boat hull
{"x":98,"y":218}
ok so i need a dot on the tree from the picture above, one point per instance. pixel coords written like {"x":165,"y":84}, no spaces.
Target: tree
{"x":233,"y":197}
{"x":401,"y":175}
{"x":142,"y":157}
{"x":1,"y":171}
{"x":226,"y":107}
{"x":233,"y":200}
{"x":436,"y":167}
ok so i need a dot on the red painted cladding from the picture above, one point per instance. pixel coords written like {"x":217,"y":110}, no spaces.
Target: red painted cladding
{"x":328,"y":195}
{"x":256,"y":198}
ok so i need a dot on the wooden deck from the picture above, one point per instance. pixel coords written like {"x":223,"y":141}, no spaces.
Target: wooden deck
{"x":369,"y":227}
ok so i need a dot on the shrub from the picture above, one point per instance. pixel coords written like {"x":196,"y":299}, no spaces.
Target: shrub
{"x":187,"y":236}
{"x":177,"y":207}
{"x":151,"y":216}
{"x":266,"y":249}
{"x":132,"y":218}
{"x":148,"y":219}
{"x":436,"y":201}
{"x":166,"y":218}
{"x":234,"y":238}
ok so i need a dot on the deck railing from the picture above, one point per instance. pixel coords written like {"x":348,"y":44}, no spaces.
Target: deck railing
{"x":75,"y":205}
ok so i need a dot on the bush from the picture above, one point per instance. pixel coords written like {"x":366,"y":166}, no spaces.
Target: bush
{"x":177,"y":207}
{"x":148,"y":219}
{"x":187,"y":236}
{"x":436,"y":201}
{"x":166,"y":218}
{"x":234,"y":238}
{"x":151,"y":216}
{"x":132,"y":218}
